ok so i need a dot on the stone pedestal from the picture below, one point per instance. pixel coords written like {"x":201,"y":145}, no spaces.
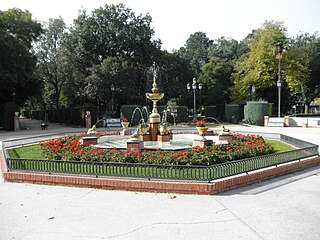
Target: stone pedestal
{"x":154,"y":131}
{"x":286,"y":121}
{"x":266,"y":121}
{"x":164,"y":138}
{"x":202,"y":142}
{"x":146,"y":137}
{"x":16,"y":123}
{"x":225,"y":137}
{"x":88,"y":121}
{"x":135,"y":146}
{"x":90,"y":139}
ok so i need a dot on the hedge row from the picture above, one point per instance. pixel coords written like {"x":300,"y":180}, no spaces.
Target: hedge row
{"x":255,"y":111}
{"x":69,"y":116}
{"x":7,"y":113}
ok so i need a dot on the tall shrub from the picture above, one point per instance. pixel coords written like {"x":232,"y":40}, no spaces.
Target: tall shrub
{"x":210,"y":111}
{"x":255,"y":112}
{"x":182,"y":114}
{"x":232,"y":111}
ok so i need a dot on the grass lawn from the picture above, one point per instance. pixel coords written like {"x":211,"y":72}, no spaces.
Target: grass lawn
{"x":34,"y":152}
{"x":280,"y":146}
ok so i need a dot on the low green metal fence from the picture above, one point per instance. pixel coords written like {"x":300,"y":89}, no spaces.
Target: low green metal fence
{"x":175,"y":172}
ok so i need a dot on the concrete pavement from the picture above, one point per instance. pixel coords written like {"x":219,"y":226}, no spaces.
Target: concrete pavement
{"x":283,"y":208}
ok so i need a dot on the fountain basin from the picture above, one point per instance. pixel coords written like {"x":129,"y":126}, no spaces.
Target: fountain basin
{"x":154,"y":96}
{"x":179,"y":142}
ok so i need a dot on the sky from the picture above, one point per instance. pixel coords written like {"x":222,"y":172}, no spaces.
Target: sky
{"x":175,"y":20}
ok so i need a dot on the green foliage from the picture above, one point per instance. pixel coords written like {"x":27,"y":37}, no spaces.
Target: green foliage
{"x":182,"y":114}
{"x":210,"y":111}
{"x":196,"y":51}
{"x":70,"y":116}
{"x":7,"y":115}
{"x":215,"y":77}
{"x":127,"y":111}
{"x":234,"y":111}
{"x":112,"y":46}
{"x":255,"y":111}
{"x":70,"y":148}
{"x":306,"y":50}
{"x":53,"y":66}
{"x":174,"y":74}
{"x":259,"y":67}
{"x":270,"y":109}
{"x":18,"y":31}
{"x":227,"y":49}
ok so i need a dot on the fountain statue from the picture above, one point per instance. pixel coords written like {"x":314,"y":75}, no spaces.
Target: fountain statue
{"x":154,"y":117}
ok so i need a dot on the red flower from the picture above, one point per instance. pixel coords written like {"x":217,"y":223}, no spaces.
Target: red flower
{"x":201,"y":123}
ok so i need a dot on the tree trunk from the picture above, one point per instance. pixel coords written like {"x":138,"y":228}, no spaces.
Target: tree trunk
{"x":306,"y":108}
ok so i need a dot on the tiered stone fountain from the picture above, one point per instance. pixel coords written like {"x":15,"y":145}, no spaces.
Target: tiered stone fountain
{"x":152,"y":131}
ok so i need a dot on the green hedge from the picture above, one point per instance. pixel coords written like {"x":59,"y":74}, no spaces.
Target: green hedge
{"x":182,"y":114}
{"x":210,"y":111}
{"x":127,"y":111}
{"x":270,"y":109}
{"x":69,"y":116}
{"x":234,"y":112}
{"x":7,"y":115}
{"x":255,"y":111}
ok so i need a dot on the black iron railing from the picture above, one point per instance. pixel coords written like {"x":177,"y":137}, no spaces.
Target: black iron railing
{"x":177,"y":172}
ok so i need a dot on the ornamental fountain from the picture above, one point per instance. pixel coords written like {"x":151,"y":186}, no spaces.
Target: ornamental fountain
{"x":155,"y":133}
{"x":154,"y":117}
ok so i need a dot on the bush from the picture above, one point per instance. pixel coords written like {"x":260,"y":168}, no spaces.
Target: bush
{"x":182,"y":114}
{"x":127,"y":111}
{"x":8,"y":115}
{"x":77,"y":116}
{"x":255,"y":112}
{"x":210,"y":111}
{"x":232,"y":110}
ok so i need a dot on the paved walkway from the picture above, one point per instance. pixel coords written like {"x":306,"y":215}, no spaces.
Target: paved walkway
{"x":283,"y":208}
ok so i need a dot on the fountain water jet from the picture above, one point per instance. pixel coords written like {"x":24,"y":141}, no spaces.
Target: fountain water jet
{"x":133,"y":114}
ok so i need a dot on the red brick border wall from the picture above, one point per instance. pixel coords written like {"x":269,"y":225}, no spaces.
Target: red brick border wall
{"x":192,"y":187}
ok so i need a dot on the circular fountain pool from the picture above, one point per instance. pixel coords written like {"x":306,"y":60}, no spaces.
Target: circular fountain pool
{"x":179,"y":142}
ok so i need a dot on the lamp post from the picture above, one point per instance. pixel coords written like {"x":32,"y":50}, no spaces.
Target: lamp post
{"x":279,"y":82}
{"x":112,"y":98}
{"x":194,"y":88}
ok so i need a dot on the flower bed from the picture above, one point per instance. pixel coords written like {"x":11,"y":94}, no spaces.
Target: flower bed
{"x":70,"y":148}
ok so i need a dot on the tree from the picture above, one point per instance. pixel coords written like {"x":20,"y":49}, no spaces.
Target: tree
{"x":258,"y":69}
{"x":227,"y":49}
{"x":306,"y":49}
{"x":216,"y":74}
{"x":174,"y":74}
{"x":18,"y":31}
{"x":215,"y":77}
{"x":52,"y":66}
{"x":112,"y":46}
{"x":195,"y":51}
